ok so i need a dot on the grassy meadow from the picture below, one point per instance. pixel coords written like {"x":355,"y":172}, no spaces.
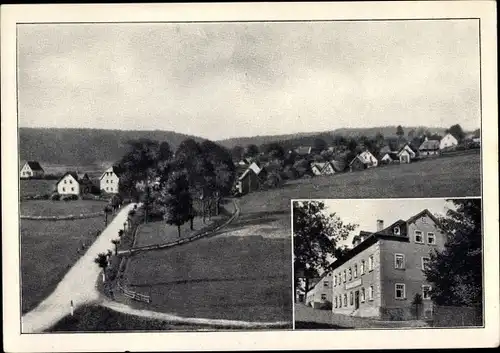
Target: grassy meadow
{"x":48,"y":250}
{"x":60,"y":208}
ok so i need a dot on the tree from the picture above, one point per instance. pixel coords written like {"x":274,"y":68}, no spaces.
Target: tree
{"x":399,"y":131}
{"x":115,"y":243}
{"x":251,"y":150}
{"x":301,"y":167}
{"x":411,"y":134}
{"x":102,"y":261}
{"x":175,"y":200}
{"x":456,"y":272}
{"x":237,"y":152}
{"x":275,"y":151}
{"x":315,"y":237}
{"x":319,"y":145}
{"x":456,"y":131}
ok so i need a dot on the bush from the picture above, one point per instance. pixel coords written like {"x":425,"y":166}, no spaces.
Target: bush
{"x":55,"y":197}
{"x":69,"y":197}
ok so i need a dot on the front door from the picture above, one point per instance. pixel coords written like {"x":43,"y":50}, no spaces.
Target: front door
{"x":356,"y":300}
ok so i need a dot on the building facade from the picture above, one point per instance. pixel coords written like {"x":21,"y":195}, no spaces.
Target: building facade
{"x":381,"y":275}
{"x":110,"y":181}
{"x":32,"y":169}
{"x":320,"y":295}
{"x":448,"y":141}
{"x":73,"y":183}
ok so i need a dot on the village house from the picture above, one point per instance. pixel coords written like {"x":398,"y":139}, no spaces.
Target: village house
{"x":382,"y":273}
{"x":406,"y":154}
{"x":390,"y":157}
{"x":72,"y":183}
{"x":110,"y":180}
{"x":447,"y":142}
{"x":326,"y":168}
{"x":362,"y":161}
{"x":320,"y":294}
{"x":429,"y":148}
{"x":32,"y":169}
{"x":251,"y":179}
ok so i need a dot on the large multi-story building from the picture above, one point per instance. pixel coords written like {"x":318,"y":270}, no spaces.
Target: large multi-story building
{"x":382,"y":273}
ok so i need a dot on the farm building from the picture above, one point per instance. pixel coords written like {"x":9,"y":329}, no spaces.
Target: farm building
{"x":429,"y":148}
{"x":448,"y":141}
{"x":110,"y":180}
{"x":72,"y":183}
{"x":390,"y":157}
{"x":362,"y":161}
{"x":406,"y":154}
{"x":251,"y":179}
{"x":382,"y":273}
{"x":32,"y":169}
{"x":324,"y":168}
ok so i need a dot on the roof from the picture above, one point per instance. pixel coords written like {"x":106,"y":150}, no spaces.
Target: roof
{"x":383,"y":234}
{"x":392,"y":155}
{"x":114,"y":169}
{"x":337,"y":165}
{"x":404,"y":148}
{"x":429,"y":145}
{"x":320,"y":165}
{"x":303,"y":150}
{"x":365,"y":157}
{"x":252,"y":167}
{"x":77,"y":176}
{"x":34,"y":165}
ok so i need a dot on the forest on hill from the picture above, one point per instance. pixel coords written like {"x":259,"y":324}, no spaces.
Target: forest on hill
{"x":85,"y":146}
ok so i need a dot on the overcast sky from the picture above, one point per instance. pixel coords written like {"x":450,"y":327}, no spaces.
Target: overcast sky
{"x":243,"y":79}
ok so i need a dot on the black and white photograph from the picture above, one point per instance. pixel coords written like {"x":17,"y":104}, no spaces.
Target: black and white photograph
{"x":389,"y":263}
{"x":247,"y":169}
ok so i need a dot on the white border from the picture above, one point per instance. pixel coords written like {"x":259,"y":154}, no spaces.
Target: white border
{"x":286,"y":340}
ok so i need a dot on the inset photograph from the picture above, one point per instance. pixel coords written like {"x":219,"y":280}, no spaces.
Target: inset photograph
{"x":387,"y":263}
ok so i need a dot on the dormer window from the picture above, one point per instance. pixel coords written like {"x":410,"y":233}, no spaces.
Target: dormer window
{"x":397,"y":230}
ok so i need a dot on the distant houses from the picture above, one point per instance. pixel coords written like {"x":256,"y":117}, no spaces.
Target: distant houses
{"x":32,"y":169}
{"x":362,"y":161}
{"x":327,"y":168}
{"x":251,"y":179}
{"x":448,"y":141}
{"x":390,"y":157}
{"x":429,"y":148}
{"x":110,"y":180}
{"x":72,"y":183}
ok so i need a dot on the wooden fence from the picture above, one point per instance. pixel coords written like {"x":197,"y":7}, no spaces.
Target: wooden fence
{"x":134,"y":295}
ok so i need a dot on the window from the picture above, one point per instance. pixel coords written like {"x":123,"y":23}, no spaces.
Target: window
{"x":65,"y":181}
{"x":370,"y":293}
{"x":431,"y":238}
{"x":397,"y":230}
{"x":323,"y":296}
{"x":70,"y":181}
{"x":426,"y":292}
{"x":107,"y":181}
{"x":399,"y":261}
{"x":72,"y":189}
{"x":64,"y":189}
{"x":350,"y":274}
{"x":418,"y":237}
{"x":325,"y":284}
{"x":400,"y":291}
{"x":362,"y":295}
{"x":355,"y":270}
{"x":362,"y":270}
{"x":345,"y":299}
{"x":336,"y":303}
{"x":345,"y":277}
{"x":340,"y":301}
{"x":425,"y":261}
{"x":351,"y":299}
{"x":370,"y":263}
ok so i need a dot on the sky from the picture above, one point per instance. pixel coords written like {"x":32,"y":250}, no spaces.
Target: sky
{"x":221,"y":80}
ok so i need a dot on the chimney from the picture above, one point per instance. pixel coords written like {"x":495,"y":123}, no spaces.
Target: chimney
{"x":380,"y":225}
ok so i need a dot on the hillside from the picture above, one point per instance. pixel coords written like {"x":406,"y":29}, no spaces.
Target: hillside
{"x":307,"y":138}
{"x":84,"y":146}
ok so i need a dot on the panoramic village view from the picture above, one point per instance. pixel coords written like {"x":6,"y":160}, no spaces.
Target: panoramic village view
{"x":158,"y":164}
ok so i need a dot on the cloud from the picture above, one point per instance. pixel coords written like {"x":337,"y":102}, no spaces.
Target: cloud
{"x":239,"y":79}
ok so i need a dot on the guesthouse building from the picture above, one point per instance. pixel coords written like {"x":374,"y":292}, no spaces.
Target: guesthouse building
{"x":382,"y":273}
{"x":109,"y":181}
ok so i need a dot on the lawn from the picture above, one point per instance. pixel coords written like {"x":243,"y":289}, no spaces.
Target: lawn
{"x":60,"y":208}
{"x":32,"y":187}
{"x":239,"y":278}
{"x":48,"y":250}
{"x":98,"y":319}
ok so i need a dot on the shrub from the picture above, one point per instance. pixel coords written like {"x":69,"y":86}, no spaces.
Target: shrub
{"x":55,"y":197}
{"x":69,"y":197}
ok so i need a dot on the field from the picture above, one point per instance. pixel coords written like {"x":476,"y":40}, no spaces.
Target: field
{"x":48,"y":250}
{"x":36,"y":187}
{"x":60,"y":208}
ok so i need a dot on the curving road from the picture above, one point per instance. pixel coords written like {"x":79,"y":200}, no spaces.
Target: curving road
{"x":77,"y":285}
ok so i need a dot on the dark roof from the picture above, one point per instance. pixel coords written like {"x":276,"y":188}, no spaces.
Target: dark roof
{"x":77,"y":176}
{"x":34,"y":165}
{"x":114,"y":169}
{"x":338,"y":166}
{"x":429,"y":145}
{"x":393,"y":155}
{"x":403,"y":147}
